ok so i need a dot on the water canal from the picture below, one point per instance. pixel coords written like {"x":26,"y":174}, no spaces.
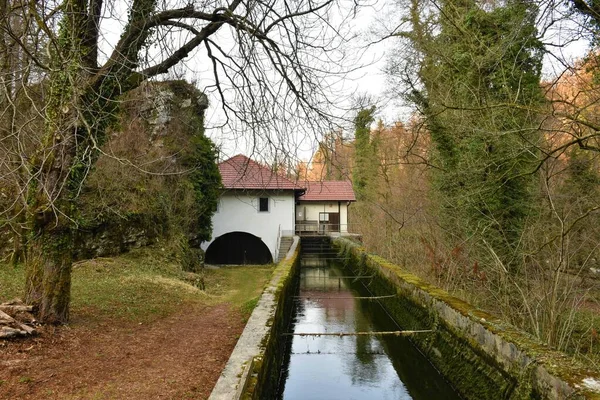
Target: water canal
{"x":331,"y":300}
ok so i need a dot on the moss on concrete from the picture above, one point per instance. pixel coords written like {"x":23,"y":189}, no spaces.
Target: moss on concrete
{"x":263,"y":379}
{"x":480,"y":355}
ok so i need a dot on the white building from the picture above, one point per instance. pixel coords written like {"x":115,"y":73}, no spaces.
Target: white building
{"x":324,"y":206}
{"x":255,"y":207}
{"x":258,"y":207}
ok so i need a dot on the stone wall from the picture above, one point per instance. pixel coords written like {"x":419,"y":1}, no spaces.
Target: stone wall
{"x":116,"y":237}
{"x":480,"y":355}
{"x":253,"y":369}
{"x":140,"y":190}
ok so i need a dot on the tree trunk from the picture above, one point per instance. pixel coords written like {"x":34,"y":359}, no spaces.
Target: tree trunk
{"x":19,"y":243}
{"x":50,"y":219}
{"x":60,"y":167}
{"x":48,"y":273}
{"x":57,"y":173}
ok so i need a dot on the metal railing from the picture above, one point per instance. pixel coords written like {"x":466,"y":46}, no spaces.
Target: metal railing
{"x":278,"y":244}
{"x":322,"y":228}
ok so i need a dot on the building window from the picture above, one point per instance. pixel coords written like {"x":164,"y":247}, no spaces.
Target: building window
{"x":263,"y":204}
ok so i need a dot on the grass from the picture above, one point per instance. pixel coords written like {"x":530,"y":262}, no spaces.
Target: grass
{"x":236,"y":283}
{"x":12,"y":280}
{"x":585,"y":341}
{"x":25,"y":379}
{"x":144,"y":285}
{"x":247,"y":308}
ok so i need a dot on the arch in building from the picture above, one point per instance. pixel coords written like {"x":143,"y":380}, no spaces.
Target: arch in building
{"x":238,"y":248}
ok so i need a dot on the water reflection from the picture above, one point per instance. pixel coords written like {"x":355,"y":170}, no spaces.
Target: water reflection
{"x":350,"y":367}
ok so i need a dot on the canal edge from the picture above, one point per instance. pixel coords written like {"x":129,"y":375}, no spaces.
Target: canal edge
{"x":533,"y":367}
{"x":241,"y":374}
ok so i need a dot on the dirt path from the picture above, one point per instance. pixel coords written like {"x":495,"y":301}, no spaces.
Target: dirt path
{"x":179,"y":357}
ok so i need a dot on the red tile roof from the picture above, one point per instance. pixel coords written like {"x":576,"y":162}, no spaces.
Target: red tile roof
{"x":240,"y":172}
{"x":328,"y":191}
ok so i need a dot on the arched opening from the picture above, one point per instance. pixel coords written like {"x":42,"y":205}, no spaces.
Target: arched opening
{"x":238,"y":248}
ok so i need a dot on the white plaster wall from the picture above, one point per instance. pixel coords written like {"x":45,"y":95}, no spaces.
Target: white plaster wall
{"x":344,"y":217}
{"x":313,"y":209}
{"x":309,"y":211}
{"x":238,"y":212}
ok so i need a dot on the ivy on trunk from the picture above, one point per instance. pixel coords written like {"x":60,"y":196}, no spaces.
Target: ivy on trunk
{"x":275,"y":55}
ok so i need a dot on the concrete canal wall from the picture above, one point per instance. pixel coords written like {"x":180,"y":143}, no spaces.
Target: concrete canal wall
{"x":481,"y":356}
{"x":253,"y":368}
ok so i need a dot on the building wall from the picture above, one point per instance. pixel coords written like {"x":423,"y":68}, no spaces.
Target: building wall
{"x":309,"y":211}
{"x":344,"y":218}
{"x":238,"y":212}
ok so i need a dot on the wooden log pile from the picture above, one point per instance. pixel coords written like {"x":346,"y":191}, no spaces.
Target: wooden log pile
{"x":16,"y":320}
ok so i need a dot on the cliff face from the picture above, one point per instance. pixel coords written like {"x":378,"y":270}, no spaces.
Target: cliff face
{"x":156,"y":179}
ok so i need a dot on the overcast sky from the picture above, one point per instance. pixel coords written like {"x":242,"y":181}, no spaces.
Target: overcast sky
{"x":369,"y":80}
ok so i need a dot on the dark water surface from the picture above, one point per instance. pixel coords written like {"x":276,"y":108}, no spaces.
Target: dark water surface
{"x":350,"y":367}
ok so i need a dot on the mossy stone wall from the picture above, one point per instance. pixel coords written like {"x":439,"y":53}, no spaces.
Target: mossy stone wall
{"x":480,"y":355}
{"x":264,"y":378}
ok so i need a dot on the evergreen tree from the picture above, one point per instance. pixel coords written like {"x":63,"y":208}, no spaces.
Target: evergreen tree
{"x":363,"y":171}
{"x":481,"y":73}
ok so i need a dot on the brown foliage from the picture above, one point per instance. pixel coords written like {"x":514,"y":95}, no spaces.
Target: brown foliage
{"x":139,"y":180}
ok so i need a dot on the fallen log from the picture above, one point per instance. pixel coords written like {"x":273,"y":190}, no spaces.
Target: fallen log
{"x":16,"y":330}
{"x":15,"y":308}
{"x":28,"y":329}
{"x":15,"y":301}
{"x":13,"y":328}
{"x":5,"y":317}
{"x":7,"y":332}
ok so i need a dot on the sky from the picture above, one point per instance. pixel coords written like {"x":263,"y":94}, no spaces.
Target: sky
{"x":367,"y":81}
{"x":372,"y":81}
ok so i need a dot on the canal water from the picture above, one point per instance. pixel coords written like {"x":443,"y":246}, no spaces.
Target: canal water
{"x":349,"y":367}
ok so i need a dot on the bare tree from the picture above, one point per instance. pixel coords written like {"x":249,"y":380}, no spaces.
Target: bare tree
{"x":19,"y":38}
{"x":270,"y":60}
{"x":556,"y":244}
